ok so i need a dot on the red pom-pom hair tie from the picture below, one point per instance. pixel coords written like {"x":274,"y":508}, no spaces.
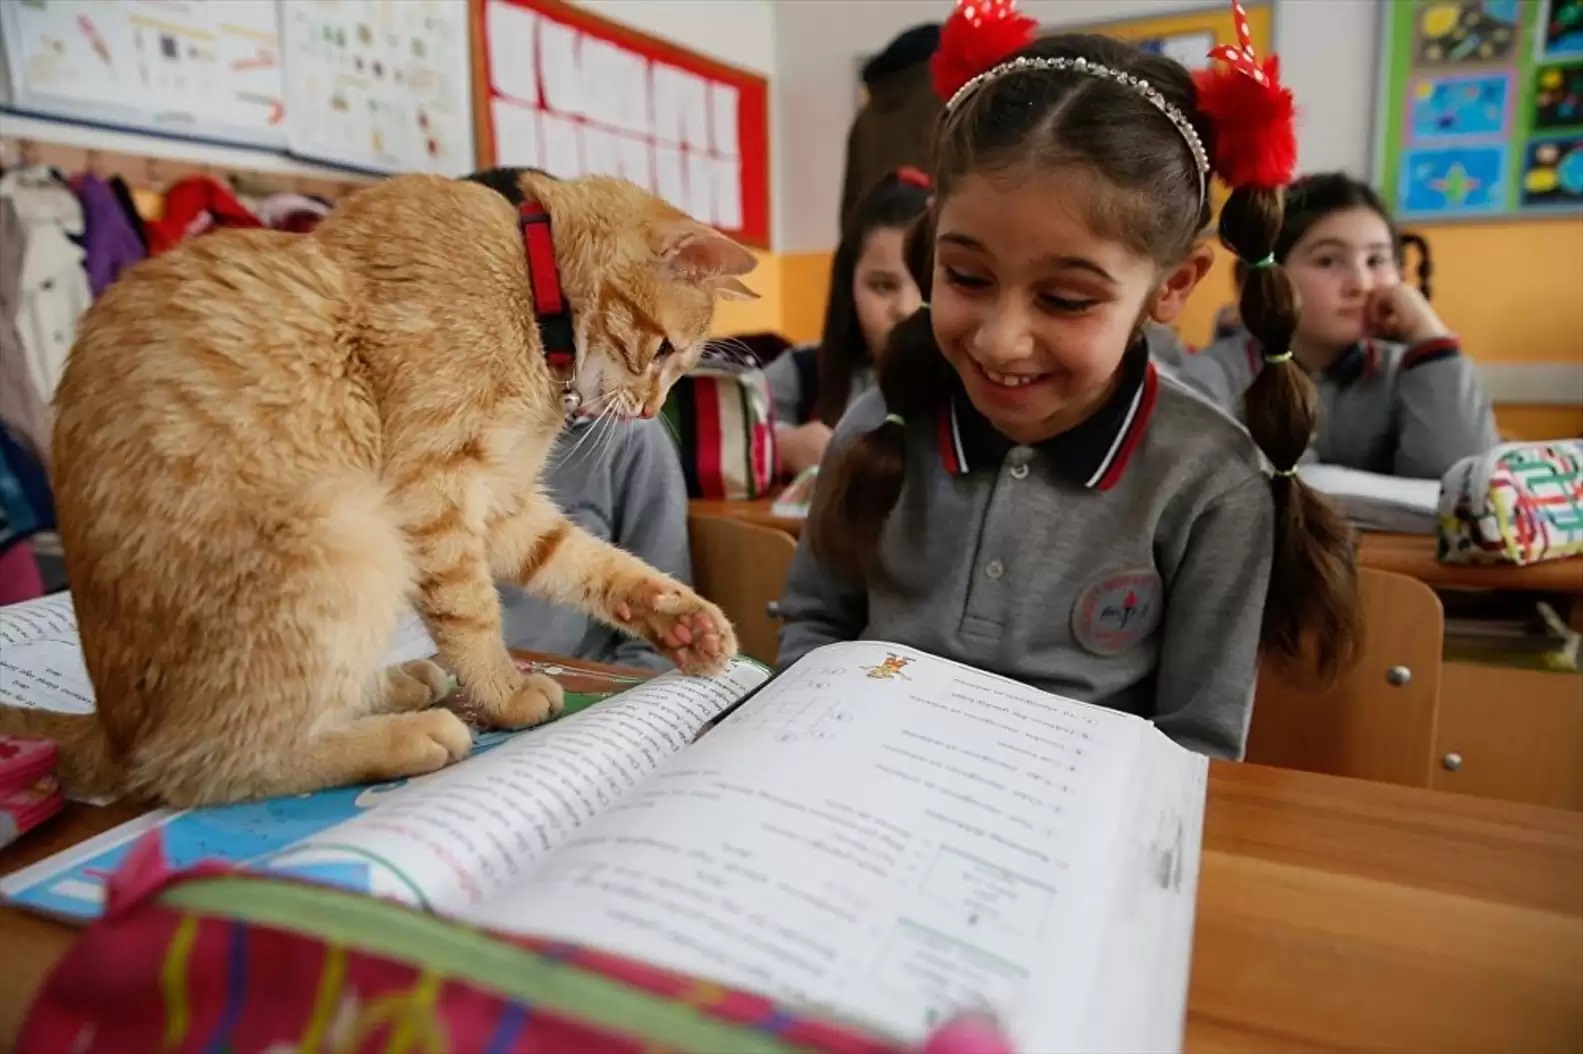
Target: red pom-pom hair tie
{"x":978,"y":35}
{"x":1253,"y":116}
{"x":914,"y":177}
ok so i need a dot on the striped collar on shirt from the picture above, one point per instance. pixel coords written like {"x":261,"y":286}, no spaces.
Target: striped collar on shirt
{"x":1094,"y":453}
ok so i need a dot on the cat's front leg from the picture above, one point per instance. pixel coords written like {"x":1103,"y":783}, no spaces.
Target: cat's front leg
{"x":540,"y":550}
{"x":459,"y":605}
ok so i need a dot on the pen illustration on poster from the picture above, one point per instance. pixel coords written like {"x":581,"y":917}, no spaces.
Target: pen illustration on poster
{"x":1481,"y":108}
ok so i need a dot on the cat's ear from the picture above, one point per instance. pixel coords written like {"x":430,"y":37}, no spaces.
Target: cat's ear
{"x":731,"y":289}
{"x":698,"y":252}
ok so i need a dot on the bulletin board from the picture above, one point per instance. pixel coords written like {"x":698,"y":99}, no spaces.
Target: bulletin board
{"x":1187,"y":36}
{"x":1480,"y":109}
{"x":207,"y":71}
{"x":379,"y":85}
{"x":557,"y":88}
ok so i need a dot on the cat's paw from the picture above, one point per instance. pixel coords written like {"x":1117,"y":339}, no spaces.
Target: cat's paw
{"x":537,"y":698}
{"x":429,"y":740}
{"x":686,"y":628}
{"x":415,"y":685}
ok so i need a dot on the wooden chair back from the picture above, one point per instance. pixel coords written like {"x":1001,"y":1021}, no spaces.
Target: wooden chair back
{"x":1377,"y":721}
{"x":742,"y":567}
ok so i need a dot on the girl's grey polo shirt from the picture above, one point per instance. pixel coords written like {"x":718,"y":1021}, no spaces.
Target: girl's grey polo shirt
{"x":1123,"y":562}
{"x":1388,"y":408}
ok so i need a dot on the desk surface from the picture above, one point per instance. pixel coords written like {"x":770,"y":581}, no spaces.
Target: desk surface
{"x":1407,"y":554}
{"x":1332,"y":914}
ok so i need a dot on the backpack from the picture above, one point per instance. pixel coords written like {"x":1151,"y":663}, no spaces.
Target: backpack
{"x":723,"y":423}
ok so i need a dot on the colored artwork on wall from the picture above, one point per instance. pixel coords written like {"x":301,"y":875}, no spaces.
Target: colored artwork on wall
{"x":1480,"y":108}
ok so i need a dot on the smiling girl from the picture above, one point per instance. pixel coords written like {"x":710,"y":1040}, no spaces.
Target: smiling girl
{"x":1397,"y":395}
{"x":1025,"y":493}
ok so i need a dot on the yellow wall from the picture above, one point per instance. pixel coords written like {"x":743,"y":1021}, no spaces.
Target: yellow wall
{"x":754,"y":316}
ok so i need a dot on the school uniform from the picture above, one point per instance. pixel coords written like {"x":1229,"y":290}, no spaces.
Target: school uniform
{"x":1387,"y":408}
{"x":627,"y":489}
{"x":794,"y":385}
{"x":1123,"y":562}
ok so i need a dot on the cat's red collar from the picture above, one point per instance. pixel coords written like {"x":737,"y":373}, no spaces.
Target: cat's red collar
{"x":550,"y":306}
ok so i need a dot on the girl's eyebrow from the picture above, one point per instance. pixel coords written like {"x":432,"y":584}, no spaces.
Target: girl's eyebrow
{"x":1058,"y":262}
{"x":1337,"y":243}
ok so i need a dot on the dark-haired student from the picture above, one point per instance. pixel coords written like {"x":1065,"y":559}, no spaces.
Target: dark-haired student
{"x":1025,"y":492}
{"x":1398,"y":396}
{"x":870,"y":291}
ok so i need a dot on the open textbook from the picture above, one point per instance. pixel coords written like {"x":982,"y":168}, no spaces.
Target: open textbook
{"x":877,"y":832}
{"x":1375,"y":502}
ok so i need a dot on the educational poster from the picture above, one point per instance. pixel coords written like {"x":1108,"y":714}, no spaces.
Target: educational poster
{"x":178,"y":67}
{"x":1481,"y":108}
{"x":563,"y":90}
{"x":380,"y":85}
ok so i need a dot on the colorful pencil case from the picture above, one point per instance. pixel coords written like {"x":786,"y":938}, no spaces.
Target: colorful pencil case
{"x":215,"y":960}
{"x":29,"y":792}
{"x":1521,"y":503}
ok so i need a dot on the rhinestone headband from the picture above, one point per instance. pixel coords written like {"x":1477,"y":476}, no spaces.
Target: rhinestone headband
{"x":1095,"y":69}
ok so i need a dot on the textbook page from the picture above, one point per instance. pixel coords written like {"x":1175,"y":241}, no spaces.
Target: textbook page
{"x":41,"y":662}
{"x":446,"y":841}
{"x":40,"y":659}
{"x":1140,"y":999}
{"x":880,"y":833}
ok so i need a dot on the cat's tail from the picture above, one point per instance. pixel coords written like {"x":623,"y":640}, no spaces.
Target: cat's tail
{"x":87,"y":767}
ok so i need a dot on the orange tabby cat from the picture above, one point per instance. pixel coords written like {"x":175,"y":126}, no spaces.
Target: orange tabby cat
{"x":267,"y":443}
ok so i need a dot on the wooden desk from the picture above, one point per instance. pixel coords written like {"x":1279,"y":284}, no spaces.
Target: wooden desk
{"x":1414,"y":555}
{"x":1332,"y":914}
{"x":757,"y":512}
{"x":1405,"y":554}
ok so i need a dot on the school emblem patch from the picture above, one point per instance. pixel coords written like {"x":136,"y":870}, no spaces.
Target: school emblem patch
{"x":1118,"y":610}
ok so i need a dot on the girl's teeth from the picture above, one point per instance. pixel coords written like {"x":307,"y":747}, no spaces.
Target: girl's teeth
{"x":1010,"y":380}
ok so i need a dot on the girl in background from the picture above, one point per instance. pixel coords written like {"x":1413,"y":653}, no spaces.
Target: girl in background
{"x":1398,"y":397}
{"x":1024,"y":492}
{"x":870,"y":291}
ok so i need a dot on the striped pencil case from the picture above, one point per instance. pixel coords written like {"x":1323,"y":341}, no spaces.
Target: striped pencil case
{"x":1521,"y":503}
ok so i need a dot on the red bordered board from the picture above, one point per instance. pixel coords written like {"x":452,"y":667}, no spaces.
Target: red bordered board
{"x":558,"y":88}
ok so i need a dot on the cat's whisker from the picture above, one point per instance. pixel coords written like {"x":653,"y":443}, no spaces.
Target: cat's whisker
{"x":730,"y":355}
{"x":593,"y":428}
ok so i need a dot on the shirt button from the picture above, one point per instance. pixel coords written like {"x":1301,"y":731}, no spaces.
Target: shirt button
{"x":994,"y":569}
{"x":1019,"y":472}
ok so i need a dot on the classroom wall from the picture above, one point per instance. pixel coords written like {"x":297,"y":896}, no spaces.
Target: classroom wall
{"x":1509,"y":289}
{"x":738,"y":32}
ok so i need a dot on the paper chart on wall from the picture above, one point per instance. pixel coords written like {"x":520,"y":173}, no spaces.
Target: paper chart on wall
{"x":380,"y":84}
{"x":210,"y":71}
{"x":583,"y":103}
